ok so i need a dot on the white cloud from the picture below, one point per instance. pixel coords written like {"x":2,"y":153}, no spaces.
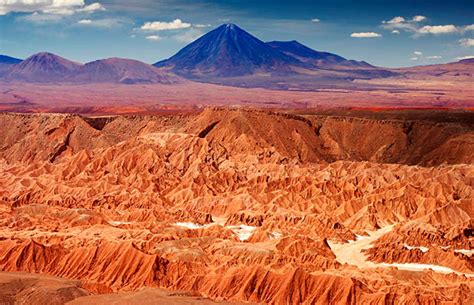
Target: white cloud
{"x":418,"y":18}
{"x":465,"y":57}
{"x":161,"y":26}
{"x":92,"y":8}
{"x":42,"y":18}
{"x":467,"y":42}
{"x":188,"y":36}
{"x":395,"y":20}
{"x":399,"y":23}
{"x":201,"y":25}
{"x":365,"y":35}
{"x":56,"y":7}
{"x":418,"y":55}
{"x":315,"y":20}
{"x":102,"y":23}
{"x":412,"y":25}
{"x":401,"y":20}
{"x":153,"y":37}
{"x":85,"y":21}
{"x":438,"y":29}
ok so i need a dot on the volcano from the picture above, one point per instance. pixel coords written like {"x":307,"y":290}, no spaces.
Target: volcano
{"x":228,"y":55}
{"x":43,"y":68}
{"x":228,"y":51}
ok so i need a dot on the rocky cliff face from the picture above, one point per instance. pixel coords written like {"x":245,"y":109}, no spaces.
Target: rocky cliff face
{"x":310,"y":138}
{"x":241,"y":206}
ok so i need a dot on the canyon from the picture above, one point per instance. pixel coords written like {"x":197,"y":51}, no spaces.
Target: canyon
{"x":238,"y":205}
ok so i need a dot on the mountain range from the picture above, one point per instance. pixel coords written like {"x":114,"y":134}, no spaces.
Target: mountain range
{"x":315,"y":58}
{"x":46,"y":68}
{"x":228,"y":52}
{"x":6,"y":62}
{"x":227,"y":55}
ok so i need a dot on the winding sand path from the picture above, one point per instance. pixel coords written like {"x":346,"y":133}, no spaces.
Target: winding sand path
{"x":351,"y":253}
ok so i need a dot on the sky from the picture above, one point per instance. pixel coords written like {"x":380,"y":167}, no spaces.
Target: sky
{"x":382,"y":32}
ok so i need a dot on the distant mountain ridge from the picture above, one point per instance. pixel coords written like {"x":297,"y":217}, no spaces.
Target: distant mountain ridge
{"x":124,"y":71}
{"x":4,"y":59}
{"x":46,"y":67}
{"x":6,"y":62}
{"x":316,"y":58}
{"x":229,"y":55}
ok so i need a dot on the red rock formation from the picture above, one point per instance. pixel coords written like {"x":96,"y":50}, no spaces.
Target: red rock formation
{"x":237,"y":205}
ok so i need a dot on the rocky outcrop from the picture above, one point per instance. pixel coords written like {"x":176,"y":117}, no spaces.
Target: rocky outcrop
{"x":266,"y":135}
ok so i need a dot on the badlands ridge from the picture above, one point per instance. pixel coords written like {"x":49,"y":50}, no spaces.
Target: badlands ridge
{"x":236,"y":206}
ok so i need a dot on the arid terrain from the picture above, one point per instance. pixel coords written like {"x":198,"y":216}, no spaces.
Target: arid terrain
{"x":236,"y":152}
{"x":437,"y":86}
{"x":397,"y":93}
{"x":234,"y":205}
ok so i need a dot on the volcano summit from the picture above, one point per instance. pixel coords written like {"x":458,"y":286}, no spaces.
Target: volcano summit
{"x":228,"y":51}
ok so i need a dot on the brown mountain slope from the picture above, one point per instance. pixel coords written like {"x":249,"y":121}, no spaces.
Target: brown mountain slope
{"x":122,"y":71}
{"x":42,"y":68}
{"x":22,"y":288}
{"x":49,"y":68}
{"x":304,"y":138}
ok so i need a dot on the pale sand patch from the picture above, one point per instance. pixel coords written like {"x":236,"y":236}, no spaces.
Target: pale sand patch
{"x":465,"y":251}
{"x":189,"y":225}
{"x":422,"y":249}
{"x":118,"y":223}
{"x":351,"y":253}
{"x":419,"y":267}
{"x":243,"y":232}
{"x":276,"y":235}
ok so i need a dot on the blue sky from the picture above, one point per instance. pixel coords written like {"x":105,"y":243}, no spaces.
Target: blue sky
{"x":381,"y":32}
